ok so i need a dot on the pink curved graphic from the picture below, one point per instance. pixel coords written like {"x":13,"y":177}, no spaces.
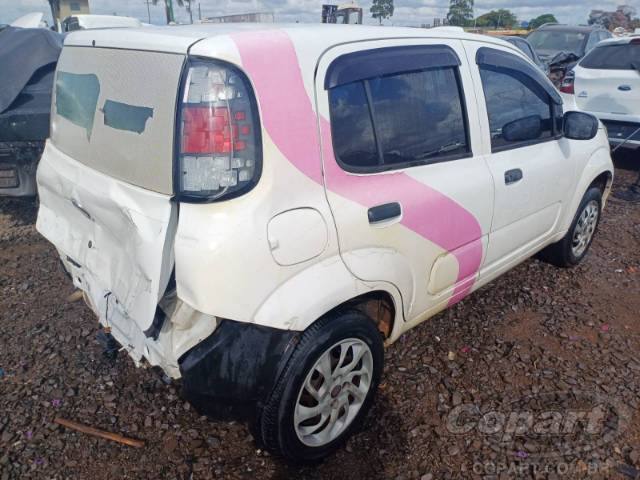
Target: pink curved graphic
{"x":270,"y":59}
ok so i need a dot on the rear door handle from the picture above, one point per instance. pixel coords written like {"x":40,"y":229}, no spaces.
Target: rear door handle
{"x":385,"y":212}
{"x":512,"y":176}
{"x":624,"y":88}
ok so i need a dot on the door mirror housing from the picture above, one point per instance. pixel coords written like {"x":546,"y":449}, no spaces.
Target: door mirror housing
{"x":580,"y":126}
{"x":523,"y":129}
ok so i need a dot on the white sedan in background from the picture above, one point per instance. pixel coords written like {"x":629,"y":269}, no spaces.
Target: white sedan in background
{"x":606,"y":83}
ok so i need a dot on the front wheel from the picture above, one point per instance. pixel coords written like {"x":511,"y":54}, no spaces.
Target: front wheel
{"x":575,"y":244}
{"x":326,"y":388}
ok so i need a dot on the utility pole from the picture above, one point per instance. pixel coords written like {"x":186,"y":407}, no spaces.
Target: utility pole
{"x":199,"y":12}
{"x":148,"y":10}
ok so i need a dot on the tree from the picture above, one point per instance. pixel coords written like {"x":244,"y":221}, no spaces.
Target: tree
{"x":460,"y":13}
{"x":168,"y":8}
{"x":381,"y":9}
{"x":541,"y":20}
{"x":497,"y":18}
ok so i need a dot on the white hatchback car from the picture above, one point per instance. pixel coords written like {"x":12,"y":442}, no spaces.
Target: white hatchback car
{"x":258,"y":209}
{"x":606,"y":83}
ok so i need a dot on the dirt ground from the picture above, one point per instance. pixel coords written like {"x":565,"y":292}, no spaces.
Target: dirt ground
{"x":541,"y":343}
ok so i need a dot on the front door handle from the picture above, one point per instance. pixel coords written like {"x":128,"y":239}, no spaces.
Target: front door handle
{"x":512,"y":176}
{"x":385,"y":212}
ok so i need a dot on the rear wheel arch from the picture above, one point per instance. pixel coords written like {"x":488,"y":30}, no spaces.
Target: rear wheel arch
{"x":326,"y":287}
{"x":379,"y":306}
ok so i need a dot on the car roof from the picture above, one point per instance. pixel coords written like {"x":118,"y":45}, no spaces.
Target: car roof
{"x":571,"y":28}
{"x":178,"y":38}
{"x":618,"y":40}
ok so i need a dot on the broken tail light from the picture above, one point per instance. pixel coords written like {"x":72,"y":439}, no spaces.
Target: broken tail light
{"x":567,"y":83}
{"x":219,"y":147}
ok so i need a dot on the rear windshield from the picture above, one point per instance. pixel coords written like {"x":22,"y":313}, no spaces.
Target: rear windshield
{"x":557,"y":41}
{"x":114,"y":111}
{"x":613,"y":57}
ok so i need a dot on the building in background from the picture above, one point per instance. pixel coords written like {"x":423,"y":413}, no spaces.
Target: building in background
{"x":258,"y":17}
{"x":61,"y":9}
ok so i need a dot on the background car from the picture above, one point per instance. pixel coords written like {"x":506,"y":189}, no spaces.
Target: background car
{"x":524,"y":45}
{"x":562,"y":46}
{"x":606,"y":83}
{"x":28,"y":57}
{"x":551,"y":39}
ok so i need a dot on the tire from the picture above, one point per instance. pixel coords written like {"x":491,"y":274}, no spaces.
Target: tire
{"x":565,"y":253}
{"x":350,"y":332}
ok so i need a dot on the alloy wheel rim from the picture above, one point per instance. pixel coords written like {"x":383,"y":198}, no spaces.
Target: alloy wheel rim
{"x":333,"y":392}
{"x":585,"y":228}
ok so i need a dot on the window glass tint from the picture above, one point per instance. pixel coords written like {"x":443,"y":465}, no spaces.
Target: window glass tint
{"x":557,"y":41}
{"x":613,"y":57}
{"x":351,"y":127}
{"x":594,"y":38}
{"x":418,"y":118}
{"x":510,"y":97}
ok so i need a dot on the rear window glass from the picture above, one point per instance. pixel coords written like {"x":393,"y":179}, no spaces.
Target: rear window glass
{"x":557,"y":40}
{"x":398,"y":120}
{"x":613,"y":57}
{"x":114,"y":111}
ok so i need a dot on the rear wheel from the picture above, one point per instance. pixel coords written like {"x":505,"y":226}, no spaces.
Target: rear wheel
{"x":326,"y":388}
{"x":575,"y":244}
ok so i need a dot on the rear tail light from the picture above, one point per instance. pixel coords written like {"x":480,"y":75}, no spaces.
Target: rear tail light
{"x":567,"y":83}
{"x":219,"y":150}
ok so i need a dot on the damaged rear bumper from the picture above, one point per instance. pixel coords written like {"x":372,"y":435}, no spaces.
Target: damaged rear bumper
{"x":18,"y":164}
{"x":233,"y":371}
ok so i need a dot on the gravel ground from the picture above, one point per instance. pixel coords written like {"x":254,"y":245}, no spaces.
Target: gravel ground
{"x":537,"y":375}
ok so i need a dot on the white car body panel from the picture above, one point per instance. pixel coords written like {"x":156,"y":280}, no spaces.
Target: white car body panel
{"x":612,"y":95}
{"x":30,"y":20}
{"x":298,"y":244}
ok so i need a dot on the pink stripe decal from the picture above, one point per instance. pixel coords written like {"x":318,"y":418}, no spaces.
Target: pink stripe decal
{"x":270,"y":59}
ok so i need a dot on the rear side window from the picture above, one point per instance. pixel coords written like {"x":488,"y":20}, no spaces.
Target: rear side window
{"x":398,"y":120}
{"x":613,"y":57}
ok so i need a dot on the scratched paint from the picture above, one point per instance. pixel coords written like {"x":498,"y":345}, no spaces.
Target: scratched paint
{"x":454,"y":228}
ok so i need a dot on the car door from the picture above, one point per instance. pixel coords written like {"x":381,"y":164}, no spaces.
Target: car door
{"x":531,"y":166}
{"x":411,"y":197}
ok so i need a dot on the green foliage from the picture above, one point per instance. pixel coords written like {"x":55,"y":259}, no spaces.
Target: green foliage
{"x":497,"y":19}
{"x":381,"y":9}
{"x":460,"y":13}
{"x":541,"y":20}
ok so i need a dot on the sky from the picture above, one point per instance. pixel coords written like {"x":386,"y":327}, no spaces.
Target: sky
{"x":407,"y":12}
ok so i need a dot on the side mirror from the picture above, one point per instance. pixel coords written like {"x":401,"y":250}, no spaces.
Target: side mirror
{"x":580,"y":126}
{"x":523,"y":129}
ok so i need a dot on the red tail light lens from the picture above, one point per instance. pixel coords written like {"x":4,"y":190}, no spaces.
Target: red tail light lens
{"x":567,"y":83}
{"x":219,"y":154}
